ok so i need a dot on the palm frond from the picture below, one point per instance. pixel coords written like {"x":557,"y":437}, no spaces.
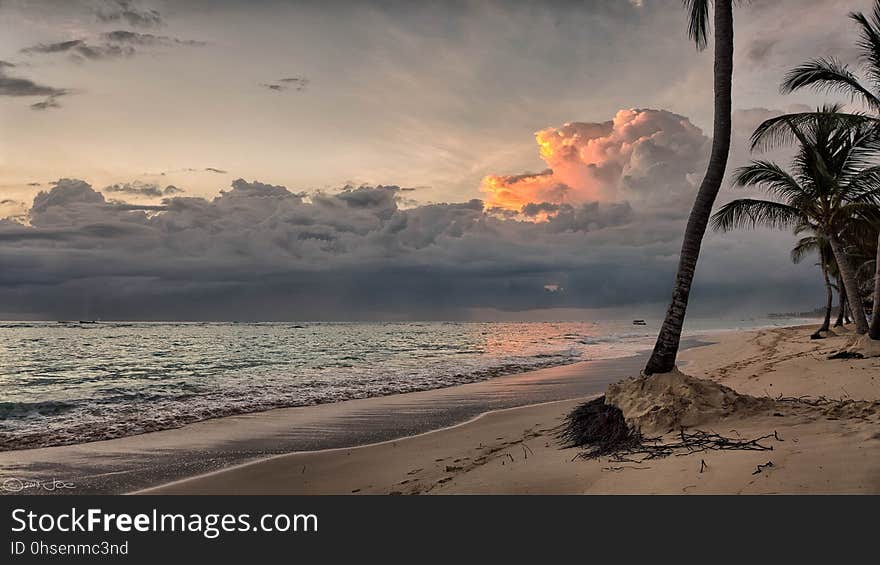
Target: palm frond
{"x":790,"y":128}
{"x":828,"y":75}
{"x":771,"y":177}
{"x":864,"y":186}
{"x":751,"y":213}
{"x":698,"y":21}
{"x":858,"y":148}
{"x":856,"y":216}
{"x":804,"y":247}
{"x":869,"y":43}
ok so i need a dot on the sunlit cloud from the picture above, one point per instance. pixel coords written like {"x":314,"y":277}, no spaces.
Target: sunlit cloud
{"x":645,"y":156}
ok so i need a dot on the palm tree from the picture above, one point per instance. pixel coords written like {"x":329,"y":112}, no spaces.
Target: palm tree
{"x":874,"y":328}
{"x":842,"y":318}
{"x":662,"y":359}
{"x":831,"y":185}
{"x":829,"y":74}
{"x":820,"y":245}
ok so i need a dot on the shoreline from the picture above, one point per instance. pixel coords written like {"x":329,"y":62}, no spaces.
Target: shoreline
{"x":493,"y":436}
{"x":25,"y":433}
{"x":513,"y":451}
{"x":132,"y":463}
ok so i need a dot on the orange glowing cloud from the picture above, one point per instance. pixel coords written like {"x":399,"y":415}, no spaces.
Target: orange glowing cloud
{"x":640,"y":155}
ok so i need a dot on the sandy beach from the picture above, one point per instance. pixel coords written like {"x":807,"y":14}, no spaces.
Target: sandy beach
{"x":500,"y":436}
{"x":827,"y":441}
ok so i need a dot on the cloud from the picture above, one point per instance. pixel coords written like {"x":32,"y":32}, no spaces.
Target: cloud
{"x":647,"y":157}
{"x":14,"y":86}
{"x":215,"y":170}
{"x":59,"y":47}
{"x":79,"y":49}
{"x":297,"y":84}
{"x":14,"y":209}
{"x":148,"y":39}
{"x":138,"y":188}
{"x":760,"y":49}
{"x":50,"y":102}
{"x":745,"y":120}
{"x":259,"y":251}
{"x":110,"y":45}
{"x":130,"y":13}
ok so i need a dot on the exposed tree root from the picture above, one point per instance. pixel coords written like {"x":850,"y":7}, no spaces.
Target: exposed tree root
{"x":602,"y":430}
{"x":599,"y":427}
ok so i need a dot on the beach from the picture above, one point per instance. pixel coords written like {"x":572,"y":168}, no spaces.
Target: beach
{"x":514,"y":451}
{"x":499,"y":436}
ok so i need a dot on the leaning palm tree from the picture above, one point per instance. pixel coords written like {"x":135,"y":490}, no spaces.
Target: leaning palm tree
{"x":831,"y":184}
{"x":863,"y":237}
{"x":829,"y":74}
{"x":662,"y":359}
{"x":818,"y":244}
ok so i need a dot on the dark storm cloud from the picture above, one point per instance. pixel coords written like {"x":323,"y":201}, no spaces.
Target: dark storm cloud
{"x":259,"y":251}
{"x":533,"y":209}
{"x":129,"y":12}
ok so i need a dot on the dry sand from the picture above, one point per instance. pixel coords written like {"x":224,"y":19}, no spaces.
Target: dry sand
{"x":828,"y":442}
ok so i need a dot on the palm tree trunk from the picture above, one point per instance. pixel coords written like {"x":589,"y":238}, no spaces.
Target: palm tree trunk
{"x":874,"y":331}
{"x":841,"y":303}
{"x":829,"y":303}
{"x":849,"y":282}
{"x":666,"y":348}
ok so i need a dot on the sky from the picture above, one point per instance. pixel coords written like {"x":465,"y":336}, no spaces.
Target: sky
{"x":340,"y":160}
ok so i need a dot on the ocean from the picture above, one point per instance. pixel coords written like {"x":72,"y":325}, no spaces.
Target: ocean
{"x":64,"y":383}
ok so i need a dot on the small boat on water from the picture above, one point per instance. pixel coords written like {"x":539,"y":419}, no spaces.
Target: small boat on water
{"x":640,"y":323}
